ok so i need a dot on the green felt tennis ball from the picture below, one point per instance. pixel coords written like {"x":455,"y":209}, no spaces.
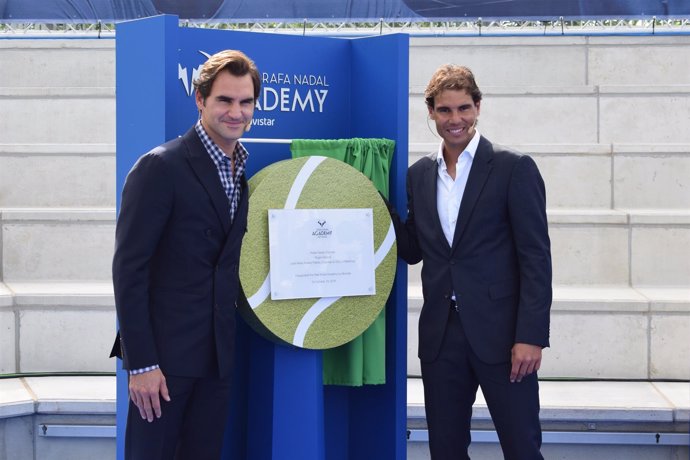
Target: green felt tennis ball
{"x":311,"y":183}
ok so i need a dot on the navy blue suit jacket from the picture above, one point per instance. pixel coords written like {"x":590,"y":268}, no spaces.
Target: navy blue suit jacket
{"x":175,"y":269}
{"x":499,"y":265}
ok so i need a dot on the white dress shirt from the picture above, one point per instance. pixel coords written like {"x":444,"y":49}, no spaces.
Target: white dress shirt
{"x":449,"y":191}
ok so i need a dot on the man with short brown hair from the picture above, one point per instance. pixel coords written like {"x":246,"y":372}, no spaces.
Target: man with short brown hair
{"x":175,"y":271}
{"x":477,"y":218}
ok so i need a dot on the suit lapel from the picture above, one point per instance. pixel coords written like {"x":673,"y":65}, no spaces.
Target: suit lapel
{"x":431,"y":199}
{"x":207,"y":173}
{"x":479,"y":173}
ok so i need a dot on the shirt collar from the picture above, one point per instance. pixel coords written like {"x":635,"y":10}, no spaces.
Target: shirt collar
{"x":471,"y":149}
{"x":240,"y":153}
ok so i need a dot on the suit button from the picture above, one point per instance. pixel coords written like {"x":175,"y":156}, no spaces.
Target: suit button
{"x":208,"y":232}
{"x":452,"y":262}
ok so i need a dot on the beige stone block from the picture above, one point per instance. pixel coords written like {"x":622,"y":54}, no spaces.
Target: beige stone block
{"x":576,"y":181}
{"x":653,"y":181}
{"x":539,"y":119}
{"x":678,"y":395}
{"x":57,"y":63}
{"x":534,"y":64}
{"x":8,"y":363}
{"x":64,"y":341}
{"x":664,"y":299}
{"x":592,"y":216}
{"x":644,"y":118}
{"x":599,"y":299}
{"x":639,"y":64}
{"x":590,"y":345}
{"x":589,"y":254}
{"x":521,"y":118}
{"x":67,"y":116}
{"x":668,"y":217}
{"x":6,"y":297}
{"x":57,"y":181}
{"x":670,"y":346}
{"x":660,"y":256}
{"x":74,"y":394}
{"x":65,"y":293}
{"x":57,"y":250}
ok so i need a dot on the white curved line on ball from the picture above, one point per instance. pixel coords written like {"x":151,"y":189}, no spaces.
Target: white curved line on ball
{"x":386,"y":246}
{"x":261,"y":295}
{"x":301,"y":180}
{"x":295,"y":191}
{"x":323,"y":303}
{"x":310,"y":316}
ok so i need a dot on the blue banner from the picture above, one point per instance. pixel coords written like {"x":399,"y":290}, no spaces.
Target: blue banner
{"x":333,"y":10}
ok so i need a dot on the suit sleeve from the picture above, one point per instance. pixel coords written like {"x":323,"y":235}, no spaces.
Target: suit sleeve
{"x":406,"y":232}
{"x":146,"y":205}
{"x":527,"y":208}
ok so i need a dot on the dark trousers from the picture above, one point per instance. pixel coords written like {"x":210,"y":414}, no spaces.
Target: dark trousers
{"x":450,"y":387}
{"x":191,"y":426}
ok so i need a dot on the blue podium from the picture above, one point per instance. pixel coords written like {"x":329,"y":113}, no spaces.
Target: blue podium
{"x":312,"y":88}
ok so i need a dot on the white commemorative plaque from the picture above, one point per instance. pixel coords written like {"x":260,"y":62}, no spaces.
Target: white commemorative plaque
{"x":321,"y":253}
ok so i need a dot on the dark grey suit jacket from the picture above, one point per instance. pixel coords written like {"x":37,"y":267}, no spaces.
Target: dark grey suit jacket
{"x":175,"y":269}
{"x":499,"y":265}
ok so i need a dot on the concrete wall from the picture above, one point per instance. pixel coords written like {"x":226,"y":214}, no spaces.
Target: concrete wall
{"x":606,"y":119}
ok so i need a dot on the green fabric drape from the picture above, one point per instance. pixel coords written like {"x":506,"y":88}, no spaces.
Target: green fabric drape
{"x":363,"y":360}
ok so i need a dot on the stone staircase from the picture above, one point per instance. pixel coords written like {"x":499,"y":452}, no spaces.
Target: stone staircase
{"x":606,"y":118}
{"x":57,"y":182}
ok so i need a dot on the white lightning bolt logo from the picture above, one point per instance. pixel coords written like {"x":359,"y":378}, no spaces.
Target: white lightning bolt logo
{"x":182,"y":75}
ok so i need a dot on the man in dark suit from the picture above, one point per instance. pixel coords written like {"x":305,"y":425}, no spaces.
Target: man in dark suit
{"x":477,"y":219}
{"x":175,"y":271}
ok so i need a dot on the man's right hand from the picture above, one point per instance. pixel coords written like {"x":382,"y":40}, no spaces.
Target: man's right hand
{"x":144,"y":390}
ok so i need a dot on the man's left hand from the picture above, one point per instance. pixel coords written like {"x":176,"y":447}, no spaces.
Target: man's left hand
{"x":525,"y":359}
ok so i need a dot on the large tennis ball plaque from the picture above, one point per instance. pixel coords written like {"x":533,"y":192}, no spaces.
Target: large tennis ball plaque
{"x":315,"y":323}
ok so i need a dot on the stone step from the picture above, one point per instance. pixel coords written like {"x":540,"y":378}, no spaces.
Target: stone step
{"x":57,"y":243}
{"x":605,"y":176}
{"x":596,"y":332}
{"x":56,"y":327}
{"x":640,"y":248}
{"x":596,"y":411}
{"x":31,"y":406}
{"x":572,"y":114}
{"x":616,"y":247}
{"x":57,"y":62}
{"x":58,"y":115}
{"x":599,"y":176}
{"x":609,"y":420}
{"x":589,"y":246}
{"x":57,"y":175}
{"x":544,"y":61}
{"x":610,"y":332}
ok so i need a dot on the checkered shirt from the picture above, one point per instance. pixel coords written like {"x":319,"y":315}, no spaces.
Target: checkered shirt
{"x":230,"y":182}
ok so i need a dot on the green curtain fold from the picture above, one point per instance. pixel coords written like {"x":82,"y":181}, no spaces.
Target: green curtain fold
{"x":363,"y":360}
